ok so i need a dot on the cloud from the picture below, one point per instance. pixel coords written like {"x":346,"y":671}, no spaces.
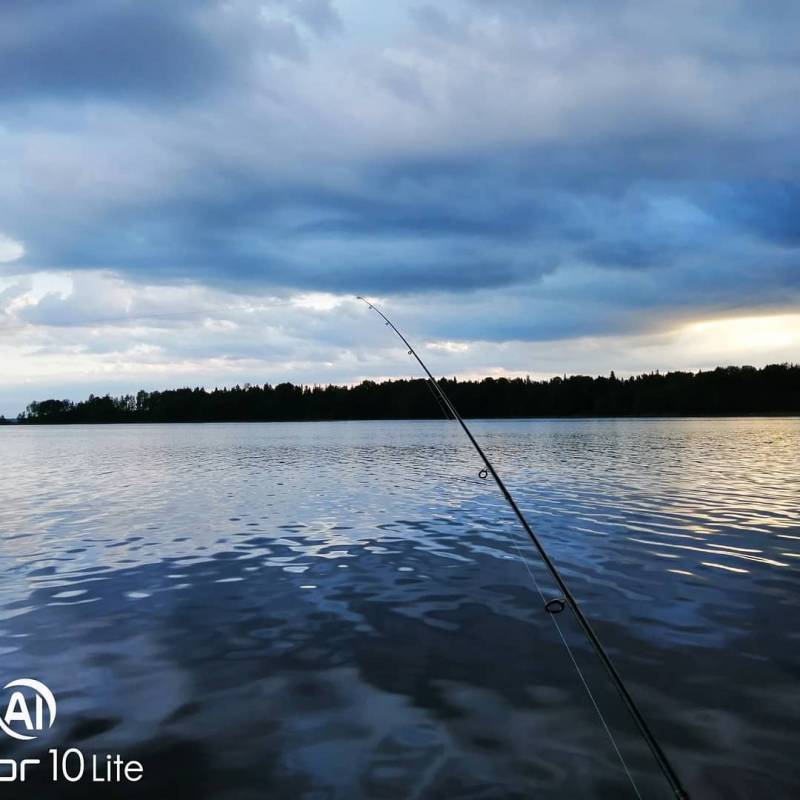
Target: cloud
{"x":10,"y":249}
{"x":128,"y":51}
{"x":506,"y":172}
{"x":62,"y":341}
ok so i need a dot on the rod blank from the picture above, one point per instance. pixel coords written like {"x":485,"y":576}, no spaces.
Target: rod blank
{"x":569,"y":599}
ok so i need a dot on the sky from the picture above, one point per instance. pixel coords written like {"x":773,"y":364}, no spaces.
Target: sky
{"x":192,"y":193}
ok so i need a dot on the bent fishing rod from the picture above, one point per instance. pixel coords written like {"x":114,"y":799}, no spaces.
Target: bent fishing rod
{"x":555,"y":605}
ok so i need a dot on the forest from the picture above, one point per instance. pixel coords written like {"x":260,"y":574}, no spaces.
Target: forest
{"x":774,"y":389}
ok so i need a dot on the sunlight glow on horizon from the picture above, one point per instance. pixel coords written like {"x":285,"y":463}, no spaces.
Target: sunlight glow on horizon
{"x":748,"y":335}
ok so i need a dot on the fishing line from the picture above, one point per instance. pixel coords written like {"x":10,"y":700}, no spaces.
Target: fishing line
{"x":554,"y":619}
{"x":583,"y":680}
{"x":556,"y":604}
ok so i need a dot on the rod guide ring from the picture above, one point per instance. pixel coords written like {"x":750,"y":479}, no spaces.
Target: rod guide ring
{"x":556,"y":605}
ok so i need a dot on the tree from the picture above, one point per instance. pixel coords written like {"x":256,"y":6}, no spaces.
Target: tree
{"x":725,"y":390}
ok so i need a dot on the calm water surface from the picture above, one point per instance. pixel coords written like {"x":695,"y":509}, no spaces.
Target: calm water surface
{"x":340,"y":610}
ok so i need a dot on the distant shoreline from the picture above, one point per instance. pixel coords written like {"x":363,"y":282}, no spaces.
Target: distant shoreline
{"x":773,"y":390}
{"x":765,"y":415}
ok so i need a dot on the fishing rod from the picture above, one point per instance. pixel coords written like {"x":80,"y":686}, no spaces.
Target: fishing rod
{"x":556,"y":605}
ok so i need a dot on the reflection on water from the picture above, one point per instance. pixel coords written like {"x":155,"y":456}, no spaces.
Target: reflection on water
{"x":339,"y":609}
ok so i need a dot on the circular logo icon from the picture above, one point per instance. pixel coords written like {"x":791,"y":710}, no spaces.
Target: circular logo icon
{"x":29,"y":704}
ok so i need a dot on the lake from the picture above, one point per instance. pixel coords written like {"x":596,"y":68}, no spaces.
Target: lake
{"x":341,"y":610}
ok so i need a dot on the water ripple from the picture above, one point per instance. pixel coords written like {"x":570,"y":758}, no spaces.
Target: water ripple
{"x":339,"y":610}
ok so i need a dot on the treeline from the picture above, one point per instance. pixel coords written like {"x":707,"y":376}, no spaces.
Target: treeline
{"x":775,"y":389}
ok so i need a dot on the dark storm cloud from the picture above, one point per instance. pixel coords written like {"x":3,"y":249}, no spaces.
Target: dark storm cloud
{"x":118,"y":49}
{"x":768,"y":210}
{"x":126,"y":50}
{"x":457,"y":226}
{"x":638,"y":156}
